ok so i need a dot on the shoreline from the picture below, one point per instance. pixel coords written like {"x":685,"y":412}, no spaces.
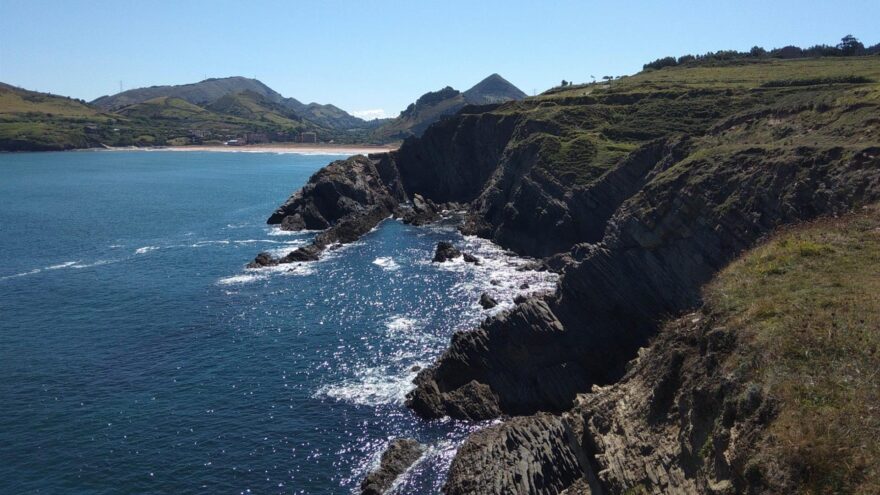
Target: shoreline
{"x":282,"y":148}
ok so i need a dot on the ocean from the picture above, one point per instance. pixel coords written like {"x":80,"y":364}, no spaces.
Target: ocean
{"x":139,"y":355}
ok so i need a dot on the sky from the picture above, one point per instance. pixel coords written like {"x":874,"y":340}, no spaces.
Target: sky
{"x":373,"y":58}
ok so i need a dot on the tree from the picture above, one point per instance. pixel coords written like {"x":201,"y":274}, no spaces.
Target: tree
{"x":661,"y":63}
{"x":607,"y":78}
{"x":850,"y":45}
{"x":757,"y":51}
{"x":564,"y":83}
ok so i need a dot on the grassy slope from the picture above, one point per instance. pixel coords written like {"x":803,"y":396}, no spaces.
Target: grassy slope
{"x":251,"y":106}
{"x":38,"y":120}
{"x":584,"y":130}
{"x":806,"y":306}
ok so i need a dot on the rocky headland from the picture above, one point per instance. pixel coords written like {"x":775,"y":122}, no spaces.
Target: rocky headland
{"x":639,"y":193}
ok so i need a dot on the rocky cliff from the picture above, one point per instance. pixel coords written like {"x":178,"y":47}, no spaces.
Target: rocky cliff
{"x":756,"y":392}
{"x":640,"y":191}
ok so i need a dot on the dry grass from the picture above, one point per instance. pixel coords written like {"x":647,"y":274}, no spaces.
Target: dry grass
{"x":807,"y":306}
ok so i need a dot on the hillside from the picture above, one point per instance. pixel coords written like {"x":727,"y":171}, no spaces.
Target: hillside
{"x":208,"y":92}
{"x":639,"y":191}
{"x":256,"y":107}
{"x":432,"y":106}
{"x":212,"y":111}
{"x":38,"y":121}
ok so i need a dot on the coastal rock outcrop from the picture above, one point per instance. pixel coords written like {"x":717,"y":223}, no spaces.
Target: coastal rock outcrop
{"x":421,"y":211}
{"x":400,"y":454}
{"x":445,"y":251}
{"x":339,"y":190}
{"x":662,"y":245}
{"x":676,"y":423}
{"x":525,"y":455}
{"x":348,"y":198}
{"x":487,"y":301}
{"x":262,"y":260}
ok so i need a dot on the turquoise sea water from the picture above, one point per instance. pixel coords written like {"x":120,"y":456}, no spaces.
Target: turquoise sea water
{"x":138,"y":355}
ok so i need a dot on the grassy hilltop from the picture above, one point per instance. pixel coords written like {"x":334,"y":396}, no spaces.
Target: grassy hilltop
{"x":584,"y":130}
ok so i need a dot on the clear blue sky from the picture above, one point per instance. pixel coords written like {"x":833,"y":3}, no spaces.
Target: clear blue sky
{"x":381,"y":55}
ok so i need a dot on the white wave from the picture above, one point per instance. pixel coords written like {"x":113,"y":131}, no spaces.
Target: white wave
{"x":371,"y":387}
{"x":254,"y":241}
{"x":386,"y":263}
{"x":256,"y":274}
{"x":401,"y":323}
{"x":22,"y":274}
{"x":276,"y":231}
{"x":500,"y":273}
{"x":90,"y":265}
{"x":241,"y":279}
{"x":209,"y":243}
{"x":145,"y":249}
{"x":287,"y":247}
{"x":66,"y":264}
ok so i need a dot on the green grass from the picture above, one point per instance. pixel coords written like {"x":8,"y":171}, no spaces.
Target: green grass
{"x":777,"y":106}
{"x":806,"y":306}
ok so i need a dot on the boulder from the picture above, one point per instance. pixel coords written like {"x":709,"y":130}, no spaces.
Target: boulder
{"x":487,"y":301}
{"x":400,"y":454}
{"x":445,"y":251}
{"x":263,"y":259}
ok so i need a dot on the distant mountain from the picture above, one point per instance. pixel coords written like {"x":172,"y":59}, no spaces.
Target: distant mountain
{"x":37,"y":121}
{"x":213,"y":111}
{"x":493,"y":89}
{"x":210,"y":91}
{"x":329,"y":116}
{"x":200,"y":93}
{"x":431,"y":107}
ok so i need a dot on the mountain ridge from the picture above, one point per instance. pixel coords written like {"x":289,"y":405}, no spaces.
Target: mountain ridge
{"x":210,"y":90}
{"x":434,"y":105}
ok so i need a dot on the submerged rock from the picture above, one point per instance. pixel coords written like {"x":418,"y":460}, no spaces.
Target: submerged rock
{"x":400,"y":454}
{"x":445,"y":251}
{"x":487,"y":301}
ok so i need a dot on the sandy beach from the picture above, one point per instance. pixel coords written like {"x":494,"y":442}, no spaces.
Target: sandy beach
{"x":295,"y":148}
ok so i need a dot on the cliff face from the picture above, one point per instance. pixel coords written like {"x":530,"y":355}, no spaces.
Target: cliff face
{"x":643,"y":191}
{"x":756,"y":392}
{"x":662,"y":245}
{"x":674,"y":424}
